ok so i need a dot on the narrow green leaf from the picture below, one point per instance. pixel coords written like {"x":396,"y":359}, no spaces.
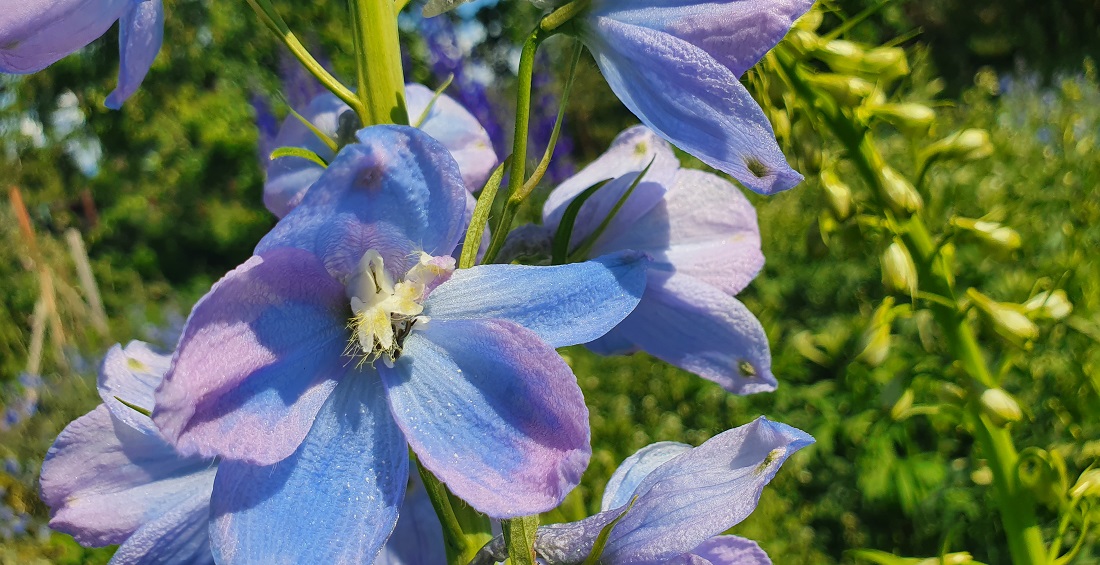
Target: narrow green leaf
{"x":601,"y":540}
{"x":438,"y":92}
{"x":582,"y":249}
{"x":325,"y":138}
{"x":481,"y":217}
{"x":135,"y":408}
{"x":298,"y":152}
{"x":560,"y":247}
{"x":519,"y":535}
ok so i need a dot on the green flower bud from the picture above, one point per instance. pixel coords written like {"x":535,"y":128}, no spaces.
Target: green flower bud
{"x":1002,"y":238}
{"x":1008,"y":320}
{"x":900,"y":194}
{"x":848,"y":90}
{"x":838,"y":195}
{"x":1000,"y":407}
{"x":841,"y":56}
{"x":1050,"y":304}
{"x":910,"y":118}
{"x":810,"y":21}
{"x":1088,"y":484}
{"x":957,"y":558}
{"x":875,"y":341}
{"x":885,"y":63}
{"x":899,"y":272}
{"x":900,"y":410}
{"x":965,"y":145}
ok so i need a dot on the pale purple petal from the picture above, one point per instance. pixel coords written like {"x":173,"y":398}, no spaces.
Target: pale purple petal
{"x":492,"y":411}
{"x":288,"y":178}
{"x":334,"y":501}
{"x":645,"y":196}
{"x":690,"y":99}
{"x":697,"y":327}
{"x":103,"y":481}
{"x":686,"y":559}
{"x":702,"y":492}
{"x":612,"y":343}
{"x":36,"y":34}
{"x":732,"y":550}
{"x":634,"y":469}
{"x":564,"y":305}
{"x":737,"y":33}
{"x":418,"y":537}
{"x":180,"y":535}
{"x":132,"y":375}
{"x":630,"y":152}
{"x":397,"y":191}
{"x":258,"y":357}
{"x":141,"y":31}
{"x":457,"y":129}
{"x":705,"y":228}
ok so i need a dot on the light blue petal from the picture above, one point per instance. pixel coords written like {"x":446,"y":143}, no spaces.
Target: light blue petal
{"x":418,"y":537}
{"x":704,"y":228}
{"x":732,"y":550}
{"x":634,"y":469}
{"x":736,"y":33}
{"x":397,"y":191}
{"x":141,"y":32}
{"x":288,"y":178}
{"x":334,"y":501}
{"x":564,"y":305}
{"x":630,"y":152}
{"x":180,"y":535}
{"x":612,"y":343}
{"x":690,"y":99}
{"x":132,"y":375}
{"x":702,"y":492}
{"x":104,"y":481}
{"x":34,"y":35}
{"x":258,"y":357}
{"x":697,"y":327}
{"x":457,"y":129}
{"x":492,"y":411}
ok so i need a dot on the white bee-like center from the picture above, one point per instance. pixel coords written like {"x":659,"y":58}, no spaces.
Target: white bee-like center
{"x":385,"y":311}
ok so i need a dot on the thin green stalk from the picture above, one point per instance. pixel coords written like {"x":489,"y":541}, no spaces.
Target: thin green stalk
{"x":464,"y":531}
{"x":378,"y":62}
{"x":544,"y":164}
{"x":270,"y":18}
{"x":563,"y":15}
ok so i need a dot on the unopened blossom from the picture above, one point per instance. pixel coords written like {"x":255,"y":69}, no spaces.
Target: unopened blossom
{"x":349,"y":337}
{"x":675,"y":501}
{"x":288,"y":178}
{"x":37,"y":33}
{"x":676,"y":64}
{"x":703,"y":239}
{"x":111,"y":477}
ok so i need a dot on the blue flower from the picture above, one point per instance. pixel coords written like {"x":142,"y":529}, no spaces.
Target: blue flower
{"x":675,"y":501}
{"x":41,"y":32}
{"x":702,"y":236}
{"x":348,"y":338}
{"x":676,"y":63}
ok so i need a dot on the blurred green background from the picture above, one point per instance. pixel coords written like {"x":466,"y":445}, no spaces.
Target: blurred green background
{"x":166,"y":196}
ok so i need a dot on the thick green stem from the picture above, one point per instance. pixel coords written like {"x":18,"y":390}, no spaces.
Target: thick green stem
{"x":378,"y":61}
{"x":1014,"y":502}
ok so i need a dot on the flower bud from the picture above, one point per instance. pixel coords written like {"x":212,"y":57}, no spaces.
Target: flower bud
{"x":899,"y":272}
{"x":900,"y":194}
{"x":1000,"y":407}
{"x":1008,"y":319}
{"x":885,"y":63}
{"x":841,"y":56}
{"x":875,"y":341}
{"x":848,"y":91}
{"x":1088,"y":484}
{"x":910,"y":118}
{"x":810,"y":21}
{"x":1050,"y":304}
{"x":966,"y":145}
{"x":1002,"y":238}
{"x":957,"y":558}
{"x":900,"y":410}
{"x":803,"y":41}
{"x":838,"y":195}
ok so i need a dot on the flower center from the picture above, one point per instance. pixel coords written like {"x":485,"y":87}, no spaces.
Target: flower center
{"x":385,"y":311}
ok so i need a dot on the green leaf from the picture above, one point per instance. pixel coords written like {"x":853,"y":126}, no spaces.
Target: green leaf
{"x":601,"y":540}
{"x":431,"y":103}
{"x":481,"y":217}
{"x":324,"y":137}
{"x":135,"y":408}
{"x":298,"y":152}
{"x":437,"y":7}
{"x":560,"y":247}
{"x":519,"y":535}
{"x":579,"y":254}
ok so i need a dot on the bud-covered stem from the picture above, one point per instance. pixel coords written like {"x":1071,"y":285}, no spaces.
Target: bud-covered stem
{"x":378,"y":61}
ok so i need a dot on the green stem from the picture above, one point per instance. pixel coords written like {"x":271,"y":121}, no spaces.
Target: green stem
{"x":563,"y":15}
{"x":378,"y":61}
{"x":464,"y":530}
{"x":274,"y":22}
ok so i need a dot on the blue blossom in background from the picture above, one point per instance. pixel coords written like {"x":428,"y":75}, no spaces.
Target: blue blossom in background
{"x":38,"y":33}
{"x":25,"y":401}
{"x":676,"y":63}
{"x":675,"y":502}
{"x":348,"y":338}
{"x":702,"y":236}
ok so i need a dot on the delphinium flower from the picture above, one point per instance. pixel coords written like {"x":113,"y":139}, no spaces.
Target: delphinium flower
{"x":111,"y":478}
{"x":676,"y":63}
{"x":37,"y":33}
{"x":348,"y":338}
{"x":702,"y":236}
{"x":675,"y":501}
{"x":289,"y":178}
